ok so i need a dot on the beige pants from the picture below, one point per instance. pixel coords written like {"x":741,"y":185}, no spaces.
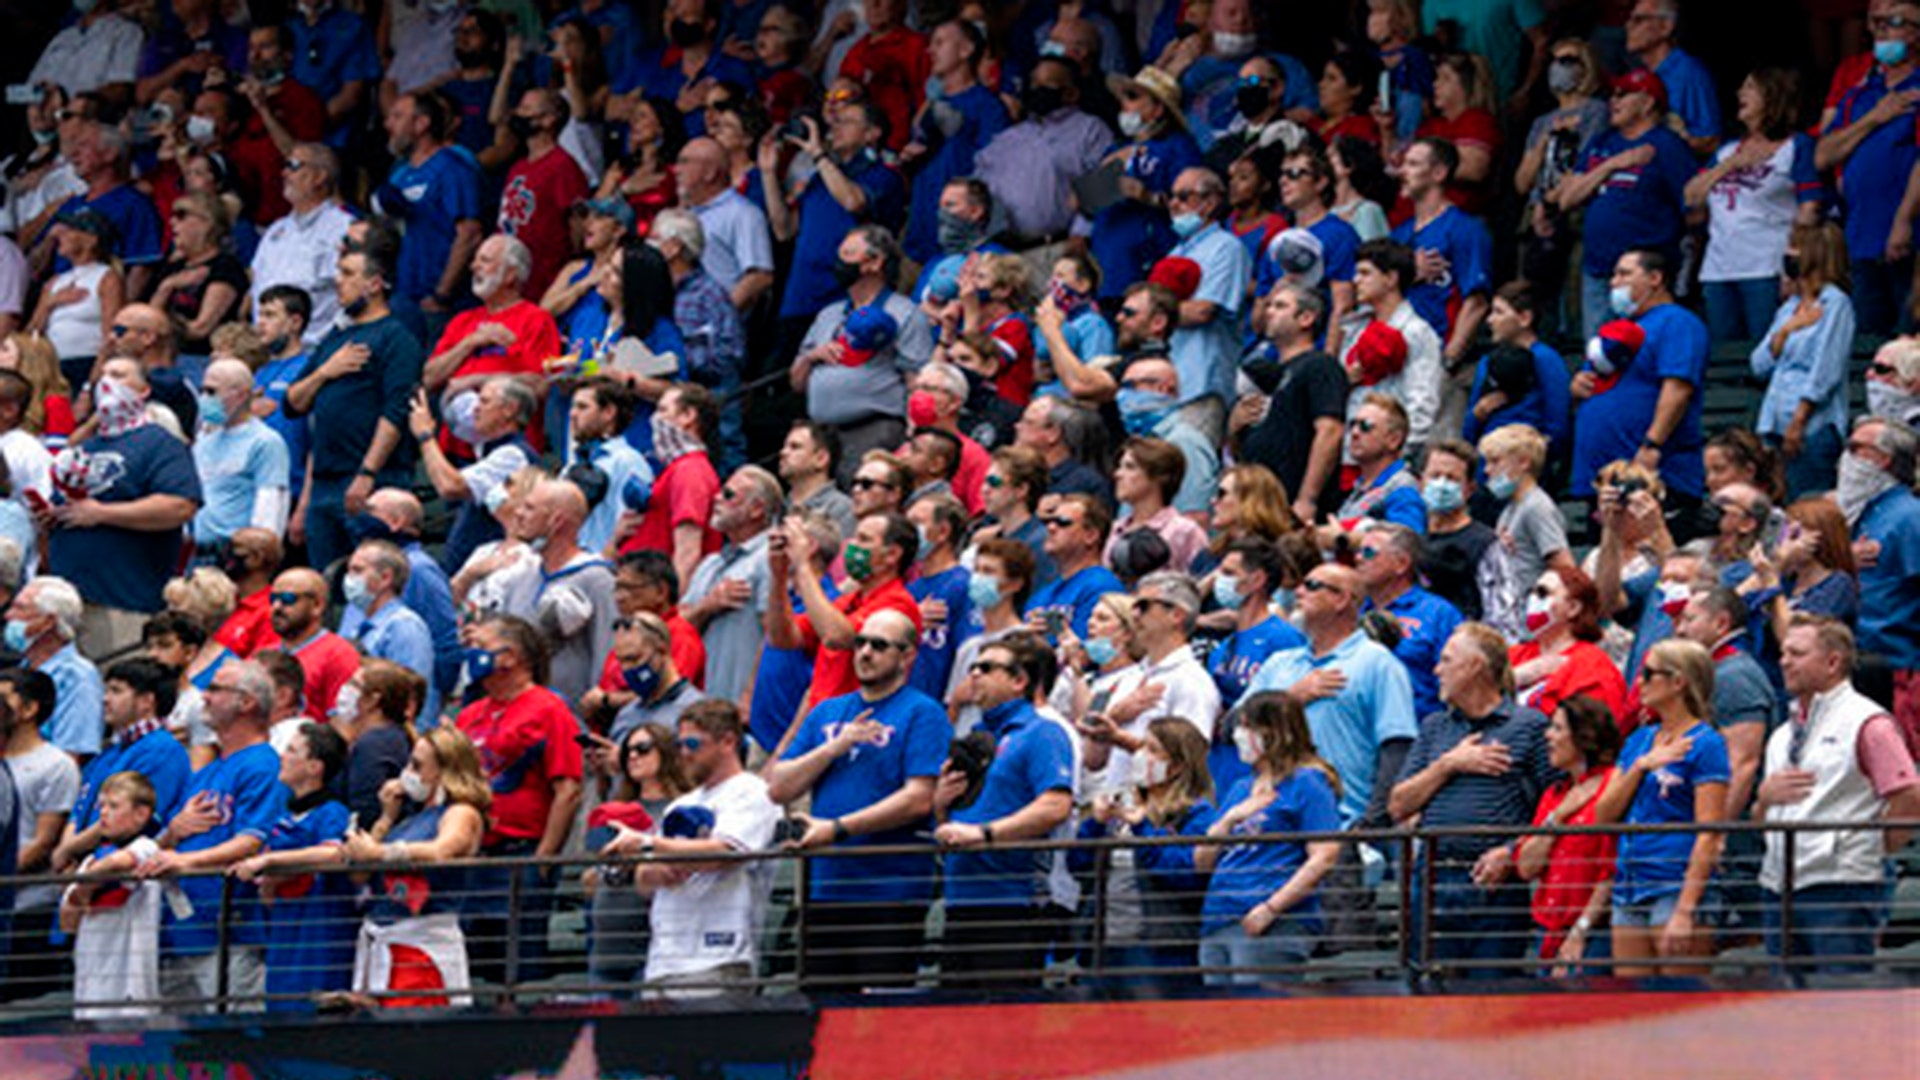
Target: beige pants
{"x":107,"y":632}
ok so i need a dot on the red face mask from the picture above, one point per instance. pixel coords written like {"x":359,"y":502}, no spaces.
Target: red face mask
{"x":921,"y":411}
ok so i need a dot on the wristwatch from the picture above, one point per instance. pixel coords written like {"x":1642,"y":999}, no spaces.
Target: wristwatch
{"x":1649,"y":444}
{"x":840,"y":833}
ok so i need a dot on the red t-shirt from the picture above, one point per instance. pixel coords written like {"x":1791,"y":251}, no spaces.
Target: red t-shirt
{"x":1476,"y":128}
{"x":249,"y":630}
{"x":258,"y":170}
{"x":683,"y":641}
{"x":833,"y":668}
{"x":893,"y":66}
{"x":540,"y":192}
{"x":1015,"y":338}
{"x":1577,"y":865}
{"x":59,"y":416}
{"x":536,"y":339}
{"x":525,"y":745}
{"x":784,"y":92}
{"x":1354,"y":124}
{"x":1588,"y":670}
{"x":683,"y":494}
{"x":329,"y":661}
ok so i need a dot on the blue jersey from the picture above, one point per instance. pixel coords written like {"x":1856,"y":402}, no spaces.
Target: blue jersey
{"x":157,"y":755}
{"x":1035,"y":757}
{"x":1462,"y":240}
{"x":1426,"y":622}
{"x":1612,"y":424}
{"x":940,"y":640}
{"x":432,"y":198}
{"x":336,"y":50}
{"x":1547,"y":408}
{"x":1639,"y":207}
{"x":981,"y":116}
{"x":824,"y":223}
{"x":310,"y":923}
{"x":136,"y":224}
{"x":1873,"y":179}
{"x":1074,"y":597}
{"x":1691,"y":94}
{"x":781,"y":682}
{"x":1655,"y":864}
{"x":272,"y":381}
{"x":914,"y":745}
{"x":251,"y":798}
{"x":1130,"y":236}
{"x":1890,"y":621}
{"x":1233,"y":664}
{"x":1247,"y":874}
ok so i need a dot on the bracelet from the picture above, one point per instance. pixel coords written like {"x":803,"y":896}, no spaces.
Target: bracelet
{"x":366,"y":472}
{"x":986,"y":832}
{"x":1583,"y":924}
{"x":840,"y":833}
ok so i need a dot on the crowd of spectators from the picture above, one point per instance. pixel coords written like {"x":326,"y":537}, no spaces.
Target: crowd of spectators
{"x":438,"y":433}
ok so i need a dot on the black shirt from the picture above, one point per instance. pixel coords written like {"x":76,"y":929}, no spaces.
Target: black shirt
{"x":1312,"y":386}
{"x":1452,"y":565}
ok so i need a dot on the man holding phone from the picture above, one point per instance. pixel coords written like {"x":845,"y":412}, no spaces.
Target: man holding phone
{"x":876,"y":557}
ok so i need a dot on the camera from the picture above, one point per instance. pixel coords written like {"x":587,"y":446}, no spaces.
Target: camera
{"x":796,"y":127}
{"x":789,"y":831}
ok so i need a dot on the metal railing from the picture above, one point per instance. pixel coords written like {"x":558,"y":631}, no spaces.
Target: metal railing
{"x":1403,"y":910}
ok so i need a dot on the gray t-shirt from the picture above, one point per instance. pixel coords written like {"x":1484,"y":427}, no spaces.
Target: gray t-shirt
{"x":834,"y":503}
{"x":574,"y":611}
{"x":1532,"y":529}
{"x":842,"y":395}
{"x":733,"y":637}
{"x":48,"y":782}
{"x":665,"y":712}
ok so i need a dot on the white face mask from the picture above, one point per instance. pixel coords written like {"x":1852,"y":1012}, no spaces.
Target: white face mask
{"x":1149,"y":771}
{"x":415,"y":788}
{"x":1233,"y":46}
{"x":1861,"y":482}
{"x":1890,"y":402}
{"x":1247,"y":744}
{"x":346,"y":704}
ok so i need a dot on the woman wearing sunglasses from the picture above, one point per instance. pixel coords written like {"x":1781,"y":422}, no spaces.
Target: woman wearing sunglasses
{"x":1564,"y":659}
{"x":647,"y":776}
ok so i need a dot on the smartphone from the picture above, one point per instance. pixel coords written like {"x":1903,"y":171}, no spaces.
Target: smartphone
{"x":1384,"y":94}
{"x":1056,"y":621}
{"x":25,"y":94}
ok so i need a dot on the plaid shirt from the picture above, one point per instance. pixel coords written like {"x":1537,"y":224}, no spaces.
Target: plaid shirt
{"x":716,"y":342}
{"x":137,"y":730}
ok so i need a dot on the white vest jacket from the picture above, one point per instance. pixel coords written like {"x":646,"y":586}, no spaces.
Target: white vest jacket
{"x":1841,"y":792}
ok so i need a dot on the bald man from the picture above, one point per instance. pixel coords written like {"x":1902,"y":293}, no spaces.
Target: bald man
{"x":395,"y":514}
{"x":739,"y":247}
{"x":570,"y":601}
{"x":143,"y":333}
{"x":243,"y":463}
{"x":869,"y":759}
{"x":298,"y":599}
{"x":252,"y":562}
{"x":121,"y":497}
{"x":542,"y":187}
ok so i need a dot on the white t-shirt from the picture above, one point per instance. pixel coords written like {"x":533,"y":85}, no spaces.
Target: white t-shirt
{"x":713,"y":917}
{"x":48,"y":782}
{"x":1749,"y":214}
{"x":116,"y":954}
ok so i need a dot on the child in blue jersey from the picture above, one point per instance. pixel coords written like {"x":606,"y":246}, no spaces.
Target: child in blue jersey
{"x":310,"y":928}
{"x":1262,"y":909}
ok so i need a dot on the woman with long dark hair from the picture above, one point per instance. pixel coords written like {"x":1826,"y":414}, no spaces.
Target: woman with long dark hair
{"x":1575,"y":873}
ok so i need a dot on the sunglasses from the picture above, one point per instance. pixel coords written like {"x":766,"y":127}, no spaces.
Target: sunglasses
{"x":1542,"y":592}
{"x":1296,"y":174}
{"x":984,"y":667}
{"x":995,"y":480}
{"x":181,"y":213}
{"x":691,"y":743}
{"x":641,"y":747}
{"x":1061,"y":523}
{"x":866,"y":483}
{"x":1879,"y":368}
{"x":1317,"y":585}
{"x":121,"y":331}
{"x":1663,"y":673}
{"x":1365,"y":427}
{"x":1368,"y":554}
{"x":285,"y":599}
{"x":867,"y":641}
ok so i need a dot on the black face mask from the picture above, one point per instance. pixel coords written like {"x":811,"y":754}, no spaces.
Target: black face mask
{"x":686,"y":34}
{"x":1251,"y":100}
{"x":846,"y":273}
{"x":590,"y":479}
{"x":1710,"y":515}
{"x":471,"y":58}
{"x":523,"y":127}
{"x":1042,"y":100}
{"x":353,"y":309}
{"x":278,"y":345}
{"x":1790,"y":265}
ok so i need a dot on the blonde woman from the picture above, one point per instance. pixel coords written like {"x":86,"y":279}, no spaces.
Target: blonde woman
{"x":411,"y":951}
{"x":1673,"y":771}
{"x":481,"y":585}
{"x":1262,"y":908}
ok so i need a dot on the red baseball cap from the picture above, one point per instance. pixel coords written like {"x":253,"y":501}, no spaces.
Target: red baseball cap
{"x":1179,"y":274}
{"x":1642,"y":81}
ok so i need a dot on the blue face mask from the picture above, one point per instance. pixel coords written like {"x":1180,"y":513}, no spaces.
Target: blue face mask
{"x":1444,"y":495}
{"x":1185,"y":225}
{"x":1101,"y":651}
{"x":1890,"y":53}
{"x":1620,"y":299}
{"x":642,"y":679}
{"x":480,"y":663}
{"x":1226,"y":592}
{"x":1142,"y":410}
{"x":16,"y":636}
{"x":983,"y":592}
{"x":213,"y":411}
{"x":1502,"y":487}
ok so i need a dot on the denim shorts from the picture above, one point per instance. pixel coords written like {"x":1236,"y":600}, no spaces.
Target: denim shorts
{"x":1657,"y":910}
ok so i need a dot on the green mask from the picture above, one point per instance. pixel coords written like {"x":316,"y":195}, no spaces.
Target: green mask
{"x":859,"y":562}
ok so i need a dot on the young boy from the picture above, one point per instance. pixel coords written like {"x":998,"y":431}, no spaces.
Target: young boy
{"x":310,"y":923}
{"x":116,"y":955}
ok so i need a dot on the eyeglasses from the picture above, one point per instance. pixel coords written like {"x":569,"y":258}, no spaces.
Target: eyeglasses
{"x":285,"y":599}
{"x":1151,"y":386}
{"x":1317,"y":585}
{"x":1888,"y":22}
{"x":181,"y":213}
{"x":1296,"y":174}
{"x":866,"y":483}
{"x":1061,"y":523}
{"x":1130,"y":312}
{"x":1188,"y":195}
{"x":1365,"y":427}
{"x":221,"y":688}
{"x":1144,"y":604}
{"x":727,"y":495}
{"x":867,"y":641}
{"x":691,"y":743}
{"x":987,"y":667}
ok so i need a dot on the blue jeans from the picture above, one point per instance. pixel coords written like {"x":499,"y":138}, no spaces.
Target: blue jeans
{"x":1817,"y":468}
{"x":1595,"y":309}
{"x":1880,"y":291}
{"x":1473,"y":926}
{"x":1741,"y":310}
{"x":1285,"y":943}
{"x":1839,"y":921}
